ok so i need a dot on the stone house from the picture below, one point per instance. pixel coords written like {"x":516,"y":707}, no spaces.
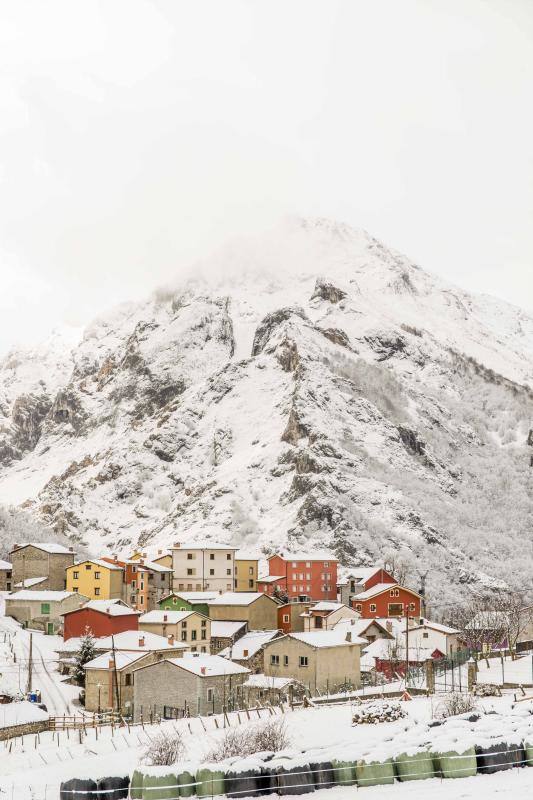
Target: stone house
{"x":187,"y":627}
{"x":369,"y":629}
{"x":224,"y":633}
{"x":195,"y":685}
{"x":249,"y":649}
{"x":42,"y":610}
{"x":6,"y":582}
{"x":43,"y":563}
{"x":325,"y":615}
{"x":323,"y":661}
{"x":259,"y":610}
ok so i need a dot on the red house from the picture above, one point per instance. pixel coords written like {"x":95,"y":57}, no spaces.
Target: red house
{"x":301,"y":576}
{"x":101,"y":617}
{"x":382,"y":596}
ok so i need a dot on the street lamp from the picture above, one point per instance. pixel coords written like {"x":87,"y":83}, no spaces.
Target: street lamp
{"x":99,"y":687}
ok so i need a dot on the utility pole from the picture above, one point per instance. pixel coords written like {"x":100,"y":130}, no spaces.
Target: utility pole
{"x":30,"y":664}
{"x":406,"y":647}
{"x":117,"y":693}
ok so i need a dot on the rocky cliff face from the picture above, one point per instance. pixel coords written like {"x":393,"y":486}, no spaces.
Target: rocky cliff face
{"x":324,"y":392}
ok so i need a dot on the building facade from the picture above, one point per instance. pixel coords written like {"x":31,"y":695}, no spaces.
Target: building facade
{"x":325,"y":615}
{"x":301,"y":577}
{"x":43,"y":563}
{"x":259,"y":610}
{"x":188,"y":601}
{"x":96,"y":579}
{"x":201,"y":567}
{"x":42,"y":610}
{"x":6,"y":582}
{"x":101,"y":618}
{"x":246,"y":572}
{"x":187,"y":627}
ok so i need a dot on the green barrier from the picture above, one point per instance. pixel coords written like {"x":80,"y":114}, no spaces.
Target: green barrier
{"x":414,"y":768}
{"x":344,"y":773}
{"x":185,"y":778}
{"x":528,"y":747}
{"x":136,"y":785}
{"x":209,"y":782}
{"x":160,"y":787}
{"x":375,"y":773}
{"x":456,"y":765}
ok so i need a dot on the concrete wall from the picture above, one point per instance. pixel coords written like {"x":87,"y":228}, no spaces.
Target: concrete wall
{"x":30,"y":614}
{"x":165,"y":684}
{"x":328,"y":667}
{"x":6,"y":580}
{"x":197,"y":570}
{"x":262,"y":614}
{"x":246,"y":571}
{"x":30,"y":562}
{"x":196,"y":632}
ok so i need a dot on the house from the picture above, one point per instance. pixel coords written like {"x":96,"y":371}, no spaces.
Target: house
{"x":525,"y":636}
{"x":42,"y":610}
{"x":326,"y":614}
{"x":96,"y":579}
{"x":369,"y":629}
{"x":224,"y":633}
{"x":388,"y":600}
{"x":246,"y":571}
{"x":259,"y":610}
{"x":101,"y":618}
{"x":203,"y":566}
{"x":187,"y":627}
{"x":144,"y":583}
{"x":45,"y":561}
{"x":435,"y":637}
{"x":323,"y":661}
{"x":188,"y":601}
{"x":261,"y":690}
{"x":389,"y":657}
{"x":195,"y":685}
{"x":109,"y":680}
{"x":301,"y":576}
{"x":161,"y":557}
{"x":290,"y":616}
{"x":249,"y":649}
{"x":6,"y":569}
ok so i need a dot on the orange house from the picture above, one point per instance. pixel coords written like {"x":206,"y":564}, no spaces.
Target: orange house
{"x":301,"y":576}
{"x":387,"y":600}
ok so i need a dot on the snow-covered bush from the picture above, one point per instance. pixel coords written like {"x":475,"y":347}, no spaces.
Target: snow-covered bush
{"x":166,"y":748}
{"x":271,"y":736}
{"x":487,"y":690}
{"x":378,"y":711}
{"x":456,"y":703}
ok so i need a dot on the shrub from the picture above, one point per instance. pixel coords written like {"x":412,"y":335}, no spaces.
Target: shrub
{"x":164,"y":749}
{"x":456,"y":703}
{"x":244,"y":742}
{"x":378,"y":711}
{"x":487,"y":690}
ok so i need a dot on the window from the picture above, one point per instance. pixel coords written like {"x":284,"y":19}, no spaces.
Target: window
{"x":210,"y":695}
{"x":301,"y":576}
{"x":425,"y":635}
{"x":396,"y":593}
{"x":132,"y":599}
{"x":250,"y":570}
{"x":204,"y":623}
{"x":142,"y":586}
{"x":193,"y":635}
{"x":391,"y":593}
{"x":211,"y":571}
{"x":294,"y":565}
{"x":395,"y":609}
{"x":308,"y":589}
{"x":174,"y":601}
{"x":250,"y":584}
{"x":307,"y":564}
{"x":180,"y":587}
{"x":75,"y":575}
{"x":285,"y":661}
{"x":184,"y":636}
{"x":88,"y":566}
{"x":189,"y":587}
{"x":303,"y":661}
{"x":45,"y":608}
{"x":274,"y":660}
{"x":204,"y":634}
{"x":128,"y":679}
{"x":190,"y":571}
{"x":169,"y":712}
{"x":190,"y":556}
{"x":228,"y":572}
{"x":326,"y":563}
{"x":194,"y":649}
{"x":202,"y":649}
{"x":96,"y":590}
{"x":97,"y":576}
{"x":134,"y":584}
{"x":74,"y":588}
{"x":358,"y":607}
{"x":228,"y":587}
{"x":412,"y":606}
{"x":294,"y":588}
{"x":373,"y":608}
{"x":184,"y":624}
{"x":211,"y":556}
{"x":228,"y":556}
{"x":286,"y":618}
{"x":308,"y":576}
{"x":134,"y":569}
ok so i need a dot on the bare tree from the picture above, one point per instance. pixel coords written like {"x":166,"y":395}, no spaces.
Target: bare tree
{"x":481,"y":621}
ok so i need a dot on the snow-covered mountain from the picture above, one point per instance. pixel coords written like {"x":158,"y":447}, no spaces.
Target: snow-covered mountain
{"x":309,"y":387}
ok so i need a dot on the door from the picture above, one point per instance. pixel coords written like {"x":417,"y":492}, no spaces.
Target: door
{"x":50,"y":628}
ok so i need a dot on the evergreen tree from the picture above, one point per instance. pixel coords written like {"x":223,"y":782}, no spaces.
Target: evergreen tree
{"x":85,"y":653}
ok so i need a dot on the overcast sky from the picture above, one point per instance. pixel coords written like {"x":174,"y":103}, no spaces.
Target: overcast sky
{"x":136,"y":136}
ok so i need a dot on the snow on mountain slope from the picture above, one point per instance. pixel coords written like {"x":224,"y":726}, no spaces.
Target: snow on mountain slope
{"x":309,"y":387}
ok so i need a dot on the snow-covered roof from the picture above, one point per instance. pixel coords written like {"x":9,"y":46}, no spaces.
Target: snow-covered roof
{"x":48,"y":547}
{"x":270,"y":578}
{"x":327,"y":605}
{"x":20,"y":712}
{"x":396,"y":624}
{"x":236,"y":598}
{"x":206,"y":665}
{"x":29,"y":582}
{"x":164,"y":616}
{"x":316,"y":555}
{"x":113,"y":608}
{"x":137,"y":640}
{"x":379,"y":588}
{"x":260,"y":681}
{"x":99,"y":563}
{"x":225,"y":628}
{"x":386,"y":650}
{"x":252,"y":641}
{"x":148,"y":565}
{"x":435,"y":626}
{"x":358,"y":626}
{"x":44,"y":596}
{"x":195,"y":597}
{"x":5,"y":565}
{"x":122,"y":660}
{"x":333,"y":638}
{"x":205,"y":545}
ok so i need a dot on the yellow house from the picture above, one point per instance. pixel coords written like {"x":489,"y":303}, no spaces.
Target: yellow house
{"x":96,"y":579}
{"x":162,"y":557}
{"x":246,"y":572}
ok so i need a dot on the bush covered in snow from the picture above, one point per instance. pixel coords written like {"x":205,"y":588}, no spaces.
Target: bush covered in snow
{"x":456,"y":703}
{"x":166,"y":748}
{"x":268,"y":736}
{"x":487,"y":690}
{"x":378,"y":711}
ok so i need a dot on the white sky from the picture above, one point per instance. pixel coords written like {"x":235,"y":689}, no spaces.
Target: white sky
{"x":135,"y":136}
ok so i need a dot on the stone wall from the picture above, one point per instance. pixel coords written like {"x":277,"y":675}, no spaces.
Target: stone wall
{"x":23,"y":729}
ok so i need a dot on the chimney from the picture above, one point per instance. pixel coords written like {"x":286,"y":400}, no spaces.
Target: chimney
{"x":202,"y":670}
{"x":177,"y":544}
{"x":245,"y":653}
{"x":141,"y":641}
{"x":388,"y":625}
{"x":115,"y":557}
{"x":111,"y":664}
{"x":170,"y":638}
{"x":71,"y":549}
{"x":16,"y":546}
{"x":349,"y":636}
{"x":352,"y":622}
{"x":159,"y":552}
